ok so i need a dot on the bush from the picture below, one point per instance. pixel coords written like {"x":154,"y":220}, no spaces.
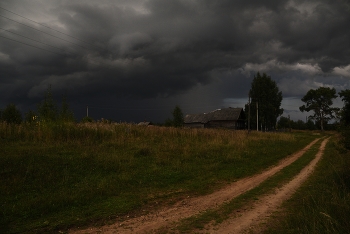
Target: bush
{"x":87,"y":119}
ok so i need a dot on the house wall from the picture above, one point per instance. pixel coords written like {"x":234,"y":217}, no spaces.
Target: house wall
{"x":218,"y":124}
{"x":221,"y":124}
{"x":226,"y":124}
{"x":194,"y":125}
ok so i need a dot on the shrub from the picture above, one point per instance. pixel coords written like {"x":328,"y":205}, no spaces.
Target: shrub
{"x":87,"y":119}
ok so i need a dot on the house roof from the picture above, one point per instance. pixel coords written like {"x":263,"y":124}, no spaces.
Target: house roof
{"x":220,"y":114}
{"x":144,"y":123}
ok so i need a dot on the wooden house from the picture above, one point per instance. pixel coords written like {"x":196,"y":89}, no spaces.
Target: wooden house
{"x":232,"y":118}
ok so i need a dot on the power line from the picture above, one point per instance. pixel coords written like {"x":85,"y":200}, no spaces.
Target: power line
{"x":41,"y":43}
{"x":127,"y":109}
{"x":33,"y":46}
{"x":45,"y":26}
{"x":43,"y":32}
{"x":30,"y":38}
{"x":135,"y":109}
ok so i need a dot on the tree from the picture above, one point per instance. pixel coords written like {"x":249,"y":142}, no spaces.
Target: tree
{"x":284,"y":122}
{"x":47,"y":110}
{"x":320,"y":101}
{"x":11,"y":114}
{"x":345,"y":112}
{"x":299,"y":124}
{"x":310,"y":125}
{"x":66,"y":115}
{"x":266,"y":97}
{"x":178,"y":118}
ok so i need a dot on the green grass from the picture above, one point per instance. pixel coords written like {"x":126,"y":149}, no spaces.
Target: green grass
{"x":225,"y":211}
{"x":322,"y":205}
{"x":53,"y":177}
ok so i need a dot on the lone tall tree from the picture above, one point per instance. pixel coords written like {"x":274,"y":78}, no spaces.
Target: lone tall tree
{"x":266,"y":96}
{"x":320,"y":101}
{"x":178,"y":117}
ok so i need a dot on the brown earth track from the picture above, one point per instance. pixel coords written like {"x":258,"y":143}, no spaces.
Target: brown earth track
{"x":186,"y":208}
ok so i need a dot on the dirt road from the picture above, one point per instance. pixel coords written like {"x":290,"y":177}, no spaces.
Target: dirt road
{"x":260,"y":210}
{"x":166,"y":216}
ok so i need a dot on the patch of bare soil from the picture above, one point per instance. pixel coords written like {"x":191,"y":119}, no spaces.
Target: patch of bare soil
{"x":166,"y":216}
{"x":251,"y":220}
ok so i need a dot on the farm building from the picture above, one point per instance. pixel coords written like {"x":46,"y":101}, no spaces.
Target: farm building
{"x":233,"y":118}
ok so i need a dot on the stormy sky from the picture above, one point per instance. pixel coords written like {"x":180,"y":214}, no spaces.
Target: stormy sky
{"x":134,"y":60}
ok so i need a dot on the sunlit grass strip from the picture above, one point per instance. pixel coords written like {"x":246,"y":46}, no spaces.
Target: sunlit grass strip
{"x":57,"y":176}
{"x":322,"y":205}
{"x":225,"y":211}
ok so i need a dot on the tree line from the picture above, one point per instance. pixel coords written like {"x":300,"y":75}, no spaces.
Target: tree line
{"x":286,"y":123}
{"x":264,"y":107}
{"x":46,"y":112}
{"x":262,"y":110}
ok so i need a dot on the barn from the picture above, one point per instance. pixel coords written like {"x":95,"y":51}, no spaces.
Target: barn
{"x":232,"y":118}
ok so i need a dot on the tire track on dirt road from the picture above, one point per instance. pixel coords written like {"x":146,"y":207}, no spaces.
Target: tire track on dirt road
{"x":192,"y":206}
{"x":249,"y":220}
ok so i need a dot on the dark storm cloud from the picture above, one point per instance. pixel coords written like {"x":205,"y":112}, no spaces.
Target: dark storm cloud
{"x":162,"y":49}
{"x":320,"y":34}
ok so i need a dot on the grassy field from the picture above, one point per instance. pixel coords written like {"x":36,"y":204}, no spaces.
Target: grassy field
{"x":53,"y":177}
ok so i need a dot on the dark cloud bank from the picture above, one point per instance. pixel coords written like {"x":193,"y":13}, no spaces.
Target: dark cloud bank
{"x":136,"y":61}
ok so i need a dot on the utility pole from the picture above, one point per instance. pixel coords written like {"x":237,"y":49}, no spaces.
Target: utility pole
{"x":290,"y":128}
{"x":87,"y":111}
{"x":249,"y":113}
{"x":257,"y":116}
